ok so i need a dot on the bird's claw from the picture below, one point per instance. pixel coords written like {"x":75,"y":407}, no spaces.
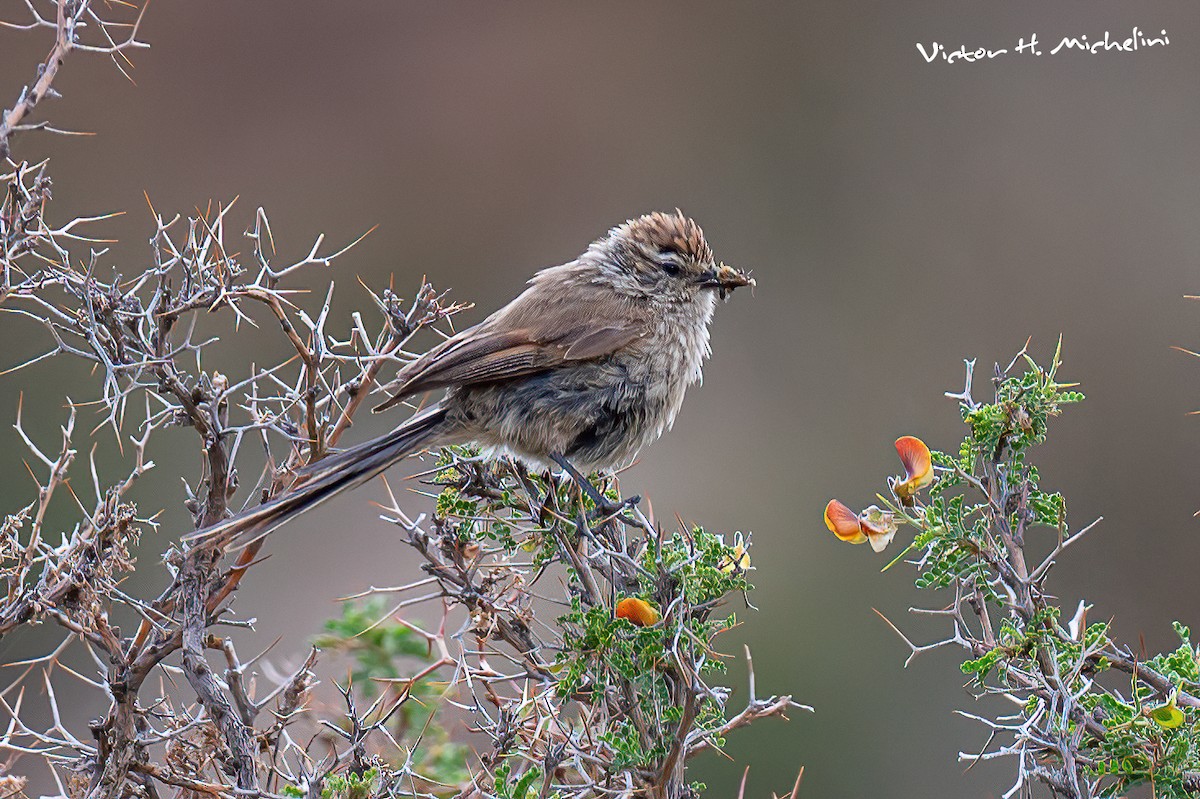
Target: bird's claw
{"x":607,"y":509}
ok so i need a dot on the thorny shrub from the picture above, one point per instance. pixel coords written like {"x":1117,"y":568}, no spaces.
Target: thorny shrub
{"x":574,"y":651}
{"x":1091,"y":717}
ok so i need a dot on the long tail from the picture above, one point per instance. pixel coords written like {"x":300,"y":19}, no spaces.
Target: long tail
{"x":327,"y":478}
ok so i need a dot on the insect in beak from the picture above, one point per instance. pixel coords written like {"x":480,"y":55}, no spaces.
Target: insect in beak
{"x":725,"y":279}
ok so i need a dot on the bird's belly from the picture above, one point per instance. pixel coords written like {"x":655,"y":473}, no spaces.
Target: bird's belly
{"x":598,"y":415}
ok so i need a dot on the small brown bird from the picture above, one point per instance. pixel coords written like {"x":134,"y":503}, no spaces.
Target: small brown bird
{"x":583,"y":369}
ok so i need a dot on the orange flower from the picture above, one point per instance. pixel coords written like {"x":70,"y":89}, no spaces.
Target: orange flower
{"x":638,"y":612}
{"x":873,"y":525}
{"x":843,"y":522}
{"x":918,"y":466}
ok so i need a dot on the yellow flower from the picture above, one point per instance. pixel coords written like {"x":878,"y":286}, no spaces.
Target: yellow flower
{"x":738,"y":560}
{"x":918,"y":466}
{"x":873,"y":525}
{"x":638,"y":612}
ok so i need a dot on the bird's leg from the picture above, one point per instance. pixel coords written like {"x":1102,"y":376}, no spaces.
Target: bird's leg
{"x":604,"y":506}
{"x":585,"y":485}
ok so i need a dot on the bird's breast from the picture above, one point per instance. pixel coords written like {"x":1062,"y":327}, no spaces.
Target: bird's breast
{"x":674,"y":356}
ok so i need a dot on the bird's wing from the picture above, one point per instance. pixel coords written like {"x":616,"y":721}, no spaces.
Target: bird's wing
{"x":533,"y":334}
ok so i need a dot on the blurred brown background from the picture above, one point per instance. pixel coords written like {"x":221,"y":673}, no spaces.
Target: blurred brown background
{"x":899,"y":216}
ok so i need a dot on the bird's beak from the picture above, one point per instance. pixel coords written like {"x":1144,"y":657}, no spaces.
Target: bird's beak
{"x":725,"y":279}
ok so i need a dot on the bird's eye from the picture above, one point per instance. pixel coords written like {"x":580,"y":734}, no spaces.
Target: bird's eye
{"x":670,"y":266}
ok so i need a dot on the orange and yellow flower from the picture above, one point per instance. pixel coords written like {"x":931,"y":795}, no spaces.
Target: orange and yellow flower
{"x":876,"y":525}
{"x":638,"y":612}
{"x":918,"y":466}
{"x":873,"y":525}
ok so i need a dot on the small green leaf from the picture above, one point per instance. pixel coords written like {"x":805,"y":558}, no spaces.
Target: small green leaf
{"x":1168,"y":716}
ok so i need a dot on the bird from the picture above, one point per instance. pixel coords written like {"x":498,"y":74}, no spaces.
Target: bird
{"x":581,"y":371}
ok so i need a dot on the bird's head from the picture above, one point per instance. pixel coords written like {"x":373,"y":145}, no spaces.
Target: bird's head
{"x":666,"y":256}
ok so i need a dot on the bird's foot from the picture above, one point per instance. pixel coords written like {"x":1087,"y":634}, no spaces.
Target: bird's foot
{"x":607,"y":508}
